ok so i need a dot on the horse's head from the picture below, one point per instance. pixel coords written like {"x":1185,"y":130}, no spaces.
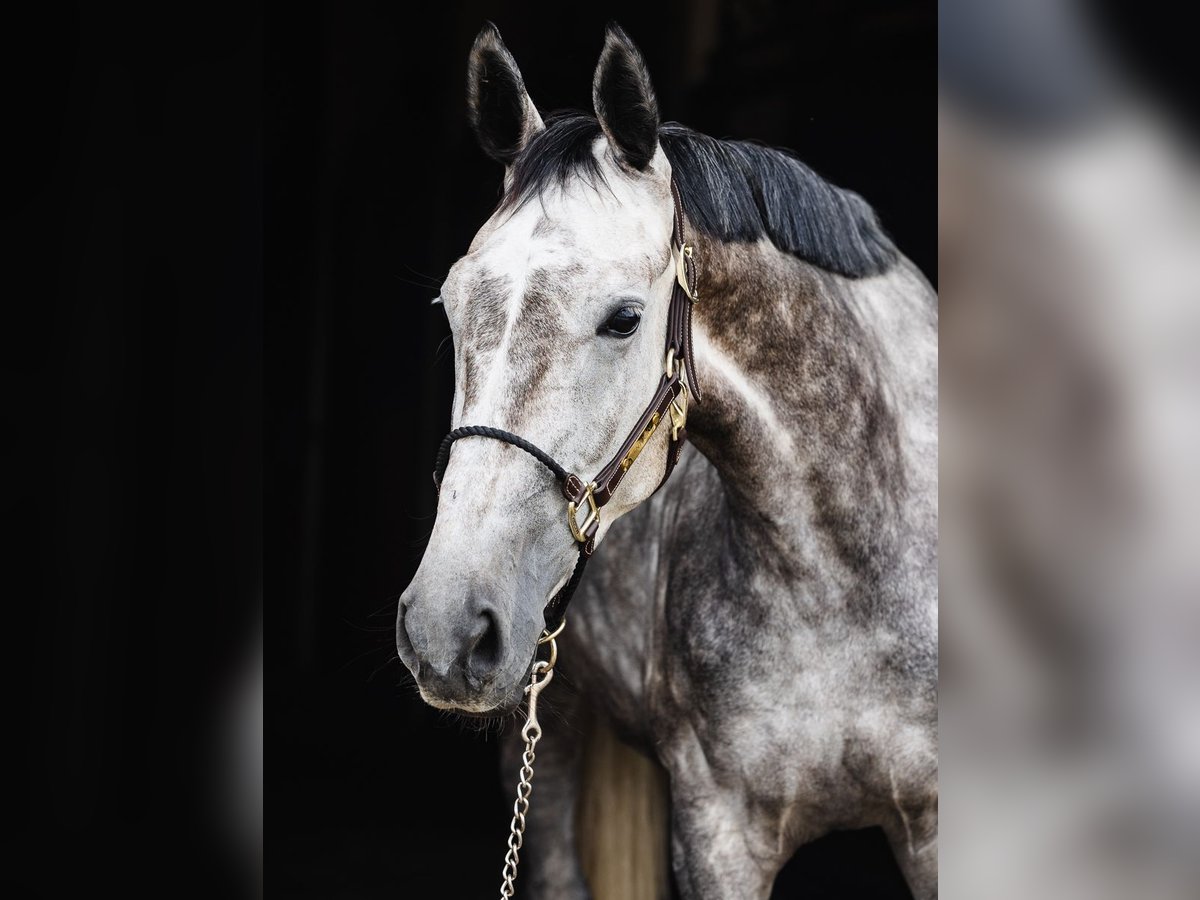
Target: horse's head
{"x":559,"y":315}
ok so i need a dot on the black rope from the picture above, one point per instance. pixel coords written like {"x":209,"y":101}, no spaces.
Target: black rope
{"x":443,"y":456}
{"x":557,"y":607}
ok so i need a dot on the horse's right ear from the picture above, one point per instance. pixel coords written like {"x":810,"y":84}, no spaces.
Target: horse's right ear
{"x":503,"y":116}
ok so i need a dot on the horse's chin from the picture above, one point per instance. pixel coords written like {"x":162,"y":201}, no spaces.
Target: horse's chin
{"x":495,"y":714}
{"x":483,"y":708}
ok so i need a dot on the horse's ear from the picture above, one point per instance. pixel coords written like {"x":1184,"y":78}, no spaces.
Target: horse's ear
{"x":624,"y":100}
{"x":503,"y":116}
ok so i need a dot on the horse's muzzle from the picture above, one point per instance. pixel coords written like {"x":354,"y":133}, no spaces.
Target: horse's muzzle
{"x":456,"y":657}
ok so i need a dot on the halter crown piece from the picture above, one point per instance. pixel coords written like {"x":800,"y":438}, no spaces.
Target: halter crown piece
{"x":677,"y":385}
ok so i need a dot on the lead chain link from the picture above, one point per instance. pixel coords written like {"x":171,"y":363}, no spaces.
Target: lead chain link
{"x":516,"y":837}
{"x":543,"y":671}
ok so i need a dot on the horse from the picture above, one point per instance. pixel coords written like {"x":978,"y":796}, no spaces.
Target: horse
{"x":754,"y":646}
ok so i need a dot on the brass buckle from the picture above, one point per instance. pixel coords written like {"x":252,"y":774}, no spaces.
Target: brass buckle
{"x":679,"y":411}
{"x":579,"y":532}
{"x":680,"y":253}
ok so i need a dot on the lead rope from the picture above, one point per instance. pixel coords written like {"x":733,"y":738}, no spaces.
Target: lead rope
{"x":543,"y":672}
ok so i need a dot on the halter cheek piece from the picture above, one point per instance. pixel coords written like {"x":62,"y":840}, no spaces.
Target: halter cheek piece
{"x":585,"y":500}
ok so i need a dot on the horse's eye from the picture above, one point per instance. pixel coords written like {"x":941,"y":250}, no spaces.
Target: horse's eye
{"x":623,"y":322}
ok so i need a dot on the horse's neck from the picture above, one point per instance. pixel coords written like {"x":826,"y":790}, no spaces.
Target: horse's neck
{"x":818,"y":424}
{"x":819,"y":406}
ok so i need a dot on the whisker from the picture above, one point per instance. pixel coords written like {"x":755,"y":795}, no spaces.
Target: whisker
{"x":366,"y":629}
{"x":430,"y":281}
{"x":362,"y":655}
{"x":387,"y":662}
{"x":391,"y":603}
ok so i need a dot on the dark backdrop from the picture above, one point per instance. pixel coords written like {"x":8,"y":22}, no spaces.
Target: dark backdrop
{"x":374,"y":187}
{"x":130,"y":442}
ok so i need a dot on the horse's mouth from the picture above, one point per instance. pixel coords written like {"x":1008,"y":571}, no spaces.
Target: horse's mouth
{"x":482,"y":710}
{"x":480,"y":701}
{"x":491,"y":715}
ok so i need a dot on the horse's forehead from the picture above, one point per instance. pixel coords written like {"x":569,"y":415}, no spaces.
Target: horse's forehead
{"x":612,"y":223}
{"x":566,"y":255}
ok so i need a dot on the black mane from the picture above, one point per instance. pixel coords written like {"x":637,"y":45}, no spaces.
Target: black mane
{"x":732,"y":190}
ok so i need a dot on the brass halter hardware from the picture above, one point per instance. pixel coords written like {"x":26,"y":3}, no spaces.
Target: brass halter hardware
{"x":679,"y":406}
{"x":638,"y":445}
{"x":679,"y":411}
{"x":681,"y":253}
{"x":548,"y":637}
{"x":579,"y":532}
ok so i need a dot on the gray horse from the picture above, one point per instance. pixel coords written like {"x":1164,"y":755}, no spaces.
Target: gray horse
{"x":763,"y":629}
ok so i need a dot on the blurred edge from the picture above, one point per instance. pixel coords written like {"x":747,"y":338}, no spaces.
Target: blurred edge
{"x":1069,"y":270}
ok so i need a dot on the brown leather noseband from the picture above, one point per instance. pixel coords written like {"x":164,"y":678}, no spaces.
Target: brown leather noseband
{"x":678,"y":383}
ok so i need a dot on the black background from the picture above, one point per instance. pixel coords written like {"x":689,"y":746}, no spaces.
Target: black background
{"x":130,"y":441}
{"x":171,"y":165}
{"x":375,"y":186}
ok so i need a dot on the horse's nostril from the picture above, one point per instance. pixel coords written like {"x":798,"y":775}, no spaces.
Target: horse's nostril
{"x":484,"y":656}
{"x":404,"y":644}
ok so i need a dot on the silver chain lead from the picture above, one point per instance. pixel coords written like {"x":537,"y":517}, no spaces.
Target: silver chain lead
{"x":543,"y":671}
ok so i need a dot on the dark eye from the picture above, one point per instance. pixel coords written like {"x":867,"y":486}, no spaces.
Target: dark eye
{"x":623,"y":322}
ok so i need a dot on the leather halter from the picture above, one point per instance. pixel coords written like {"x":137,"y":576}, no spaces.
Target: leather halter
{"x":677,"y":385}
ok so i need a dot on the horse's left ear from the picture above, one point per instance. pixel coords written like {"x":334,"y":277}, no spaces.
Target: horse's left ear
{"x":503,"y":116}
{"x":624,"y":100}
